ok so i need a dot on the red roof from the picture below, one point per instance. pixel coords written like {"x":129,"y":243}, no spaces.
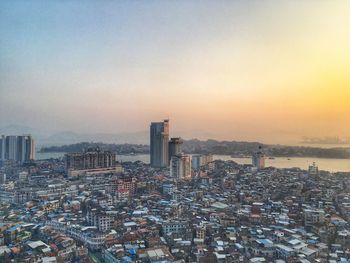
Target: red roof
{"x":122,"y":190}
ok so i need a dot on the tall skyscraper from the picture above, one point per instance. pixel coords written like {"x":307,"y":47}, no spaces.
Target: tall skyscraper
{"x":175,"y":147}
{"x":159,"y":138}
{"x":2,"y":147}
{"x":11,"y":148}
{"x":21,"y":148}
{"x":17,"y":148}
{"x":30,"y":148}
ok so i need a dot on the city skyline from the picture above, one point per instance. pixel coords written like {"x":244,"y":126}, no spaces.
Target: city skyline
{"x":271,"y":71}
{"x":175,"y":131}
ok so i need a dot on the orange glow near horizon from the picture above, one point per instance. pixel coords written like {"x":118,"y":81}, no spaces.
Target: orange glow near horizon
{"x":270,"y":71}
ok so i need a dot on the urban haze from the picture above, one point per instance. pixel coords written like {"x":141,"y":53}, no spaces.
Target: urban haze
{"x":174,"y":131}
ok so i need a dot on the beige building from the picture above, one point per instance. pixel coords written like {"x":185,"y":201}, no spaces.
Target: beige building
{"x":180,"y":166}
{"x":91,"y":162}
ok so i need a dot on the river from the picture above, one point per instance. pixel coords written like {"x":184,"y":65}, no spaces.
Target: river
{"x":332,"y":165}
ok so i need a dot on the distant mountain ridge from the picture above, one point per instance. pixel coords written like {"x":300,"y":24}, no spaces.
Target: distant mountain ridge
{"x":20,"y":130}
{"x":72,"y":137}
{"x":45,"y":138}
{"x":326,"y":140}
{"x":61,"y":140}
{"x":237,"y":149}
{"x":124,"y":148}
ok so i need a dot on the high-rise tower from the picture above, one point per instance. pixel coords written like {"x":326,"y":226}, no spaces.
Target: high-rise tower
{"x":175,"y":147}
{"x":258,"y":159}
{"x":17,"y":148}
{"x":11,"y":148}
{"x":180,"y":166}
{"x":159,"y":138}
{"x":21,"y":148}
{"x":2,"y":147}
{"x":30,"y":148}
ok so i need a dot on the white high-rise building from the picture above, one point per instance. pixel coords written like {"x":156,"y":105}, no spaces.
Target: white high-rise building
{"x":180,"y":166}
{"x":258,"y":159}
{"x":199,"y":160}
{"x":23,"y":176}
{"x":313,"y":169}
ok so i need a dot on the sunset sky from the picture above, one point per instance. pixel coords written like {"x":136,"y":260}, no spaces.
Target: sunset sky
{"x":271,"y":71}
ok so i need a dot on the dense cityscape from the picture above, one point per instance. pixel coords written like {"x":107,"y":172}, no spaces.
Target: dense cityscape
{"x":187,"y":131}
{"x":88,"y":207}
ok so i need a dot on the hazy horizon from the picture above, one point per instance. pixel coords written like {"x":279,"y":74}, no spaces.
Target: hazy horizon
{"x":266,"y":71}
{"x":58,"y":138}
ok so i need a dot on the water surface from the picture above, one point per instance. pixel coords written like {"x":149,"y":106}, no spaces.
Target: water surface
{"x":332,"y":165}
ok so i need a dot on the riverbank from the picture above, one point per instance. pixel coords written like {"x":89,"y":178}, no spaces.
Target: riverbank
{"x":327,"y":164}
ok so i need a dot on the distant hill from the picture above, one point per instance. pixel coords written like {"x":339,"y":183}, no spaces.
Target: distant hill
{"x":117,"y":148}
{"x":247,"y":148}
{"x":234,"y":148}
{"x":136,"y":142}
{"x":20,"y":130}
{"x":67,"y":137}
{"x":45,"y":138}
